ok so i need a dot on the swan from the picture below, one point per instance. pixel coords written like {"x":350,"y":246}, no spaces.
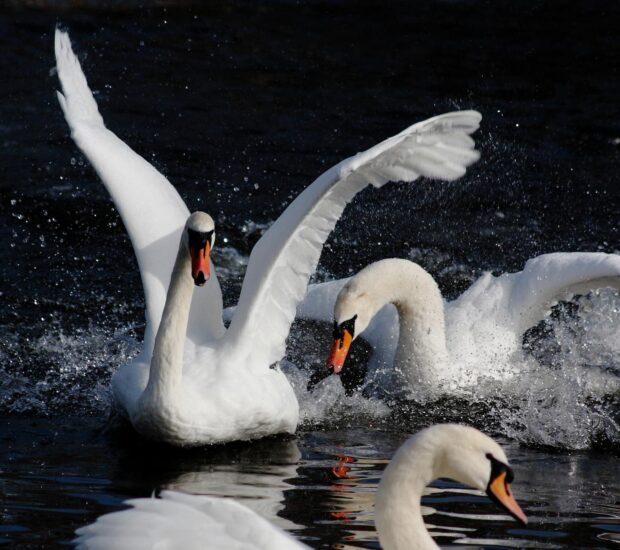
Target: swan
{"x":196,"y":382}
{"x":436,"y":345}
{"x":183,"y":521}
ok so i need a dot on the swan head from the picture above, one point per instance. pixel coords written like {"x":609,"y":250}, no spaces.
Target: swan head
{"x":199,"y":237}
{"x":354,"y":309}
{"x":473,"y":458}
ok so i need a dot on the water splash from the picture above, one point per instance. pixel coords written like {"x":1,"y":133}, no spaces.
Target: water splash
{"x":569,"y":393}
{"x":566,"y":393}
{"x":56,"y":373}
{"x":560,"y":389}
{"x":329,"y":405}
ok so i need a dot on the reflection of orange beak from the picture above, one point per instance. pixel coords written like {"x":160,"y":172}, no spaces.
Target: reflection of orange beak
{"x":345,"y":516}
{"x":342,"y":471}
{"x":200,"y":264}
{"x":339,"y":351}
{"x":500,"y":491}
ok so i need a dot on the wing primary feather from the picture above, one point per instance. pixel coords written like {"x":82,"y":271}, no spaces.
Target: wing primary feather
{"x":439,"y":147}
{"x":151,"y":209}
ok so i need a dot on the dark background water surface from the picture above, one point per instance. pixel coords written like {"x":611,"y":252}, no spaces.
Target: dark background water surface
{"x":241,"y":106}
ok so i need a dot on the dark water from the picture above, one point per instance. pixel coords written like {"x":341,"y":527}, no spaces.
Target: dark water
{"x":242,"y":106}
{"x":59,"y":476}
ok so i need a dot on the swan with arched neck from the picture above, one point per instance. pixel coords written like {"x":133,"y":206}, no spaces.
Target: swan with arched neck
{"x":186,"y":521}
{"x":437,"y":346}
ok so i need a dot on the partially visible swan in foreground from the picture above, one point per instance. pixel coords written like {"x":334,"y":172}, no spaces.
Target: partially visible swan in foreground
{"x":195,"y":382}
{"x":436,"y":345}
{"x":184,"y":521}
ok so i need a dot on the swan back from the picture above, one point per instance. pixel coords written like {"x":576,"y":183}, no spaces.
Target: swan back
{"x":486,"y":324}
{"x":187,"y":522}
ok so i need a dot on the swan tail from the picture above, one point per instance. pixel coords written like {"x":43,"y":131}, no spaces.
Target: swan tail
{"x":76,"y":99}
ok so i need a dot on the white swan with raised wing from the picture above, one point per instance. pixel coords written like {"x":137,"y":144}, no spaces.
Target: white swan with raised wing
{"x":196,"y":382}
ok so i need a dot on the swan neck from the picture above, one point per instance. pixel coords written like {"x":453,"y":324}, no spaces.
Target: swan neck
{"x":398,"y":514}
{"x":167,"y":363}
{"x":422,"y":332}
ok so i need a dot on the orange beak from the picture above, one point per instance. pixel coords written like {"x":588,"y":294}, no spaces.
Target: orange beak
{"x":499,"y":490}
{"x":338,"y":353}
{"x":201,"y":264}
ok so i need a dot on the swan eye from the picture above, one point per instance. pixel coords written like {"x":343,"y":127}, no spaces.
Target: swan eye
{"x":348,"y":325}
{"x":199,"y":239}
{"x":498,"y":468}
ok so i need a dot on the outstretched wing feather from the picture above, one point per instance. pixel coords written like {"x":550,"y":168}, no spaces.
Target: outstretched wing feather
{"x":518,"y":301}
{"x":151,"y":209}
{"x":287,"y":254}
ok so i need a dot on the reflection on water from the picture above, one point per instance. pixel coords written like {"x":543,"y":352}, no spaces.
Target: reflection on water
{"x":321,"y":485}
{"x":260,"y":486}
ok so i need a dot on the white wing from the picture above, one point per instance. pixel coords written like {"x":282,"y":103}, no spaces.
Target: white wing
{"x":151,"y":209}
{"x":184,"y":522}
{"x":518,"y":301}
{"x":287,"y":254}
{"x":320,"y":299}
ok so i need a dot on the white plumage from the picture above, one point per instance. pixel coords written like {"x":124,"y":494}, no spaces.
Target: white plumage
{"x":224,"y":389}
{"x":184,"y":522}
{"x":449,"y":346}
